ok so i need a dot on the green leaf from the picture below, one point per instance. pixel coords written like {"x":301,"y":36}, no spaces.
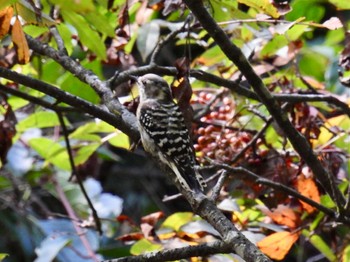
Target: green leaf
{"x":87,"y":131}
{"x":85,"y":152}
{"x":263,"y":5}
{"x":322,"y":246}
{"x":346,"y":254}
{"x":147,"y":40}
{"x":143,"y":246}
{"x":40,"y":119}
{"x":81,"y":6}
{"x":27,"y":12}
{"x":100,"y":22}
{"x":5,"y":3}
{"x":73,"y":85}
{"x":177,"y":220}
{"x":88,"y":37}
{"x":66,"y":35}
{"x":34,"y":31}
{"x":120,"y":140}
{"x":51,"y":151}
{"x":274,"y":45}
{"x":341,"y":5}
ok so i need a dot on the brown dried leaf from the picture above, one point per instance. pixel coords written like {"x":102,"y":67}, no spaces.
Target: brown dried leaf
{"x":153,"y":218}
{"x":307,"y":187}
{"x":20,"y":42}
{"x":284,"y":215}
{"x":277,"y":245}
{"x":5,"y":19}
{"x":131,"y":237}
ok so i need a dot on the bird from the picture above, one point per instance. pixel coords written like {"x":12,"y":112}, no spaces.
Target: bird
{"x":163,"y":131}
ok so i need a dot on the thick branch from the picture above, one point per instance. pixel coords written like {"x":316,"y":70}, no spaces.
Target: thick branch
{"x":299,"y":142}
{"x":178,"y":253}
{"x":128,"y":128}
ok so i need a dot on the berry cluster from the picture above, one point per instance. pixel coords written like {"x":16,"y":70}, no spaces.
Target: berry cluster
{"x":215,"y":136}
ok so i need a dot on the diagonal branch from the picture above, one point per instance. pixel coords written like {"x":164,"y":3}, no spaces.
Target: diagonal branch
{"x":127,"y":120}
{"x":298,"y":141}
{"x":128,"y":127}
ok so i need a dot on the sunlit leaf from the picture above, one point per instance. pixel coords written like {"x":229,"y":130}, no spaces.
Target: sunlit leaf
{"x":147,"y":39}
{"x":277,"y":245}
{"x":5,"y":3}
{"x":341,"y":4}
{"x":88,"y":37}
{"x":346,"y":254}
{"x":143,"y":246}
{"x":326,"y":135}
{"x":5,"y":19}
{"x":85,"y":152}
{"x":40,"y":119}
{"x":177,"y":220}
{"x":89,"y":131}
{"x":263,"y":5}
{"x":20,"y":42}
{"x":3,"y":256}
{"x":51,"y":151}
{"x":31,"y":16}
{"x":120,"y":140}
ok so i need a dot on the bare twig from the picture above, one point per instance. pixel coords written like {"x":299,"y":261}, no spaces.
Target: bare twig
{"x":77,"y":175}
{"x":217,"y":188}
{"x":252,"y":141}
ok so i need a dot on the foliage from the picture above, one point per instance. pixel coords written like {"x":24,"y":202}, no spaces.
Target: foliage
{"x":62,"y":129}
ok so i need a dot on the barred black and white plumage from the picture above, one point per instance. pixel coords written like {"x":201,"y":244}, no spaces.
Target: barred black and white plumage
{"x":163,"y":131}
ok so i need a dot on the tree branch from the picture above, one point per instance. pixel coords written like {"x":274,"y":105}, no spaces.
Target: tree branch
{"x":128,"y":127}
{"x":178,"y":253}
{"x":127,"y":120}
{"x":299,"y":142}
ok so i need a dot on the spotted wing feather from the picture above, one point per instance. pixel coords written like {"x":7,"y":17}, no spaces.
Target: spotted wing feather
{"x":164,"y":124}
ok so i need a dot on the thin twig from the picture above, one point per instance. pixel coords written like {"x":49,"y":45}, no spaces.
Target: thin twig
{"x":77,"y":175}
{"x":252,"y":141}
{"x":247,"y":173}
{"x":217,"y":188}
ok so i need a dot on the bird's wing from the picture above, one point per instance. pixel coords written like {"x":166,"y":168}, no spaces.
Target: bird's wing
{"x":165,"y":125}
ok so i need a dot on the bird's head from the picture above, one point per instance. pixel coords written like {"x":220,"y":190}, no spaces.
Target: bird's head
{"x":152,"y":86}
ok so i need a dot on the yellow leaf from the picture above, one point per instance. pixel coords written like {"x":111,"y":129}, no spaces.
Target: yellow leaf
{"x":277,"y":245}
{"x":20,"y":42}
{"x":264,"y":5}
{"x":5,"y":19}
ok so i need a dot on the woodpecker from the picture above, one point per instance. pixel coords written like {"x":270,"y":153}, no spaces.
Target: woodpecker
{"x":164,"y":133}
